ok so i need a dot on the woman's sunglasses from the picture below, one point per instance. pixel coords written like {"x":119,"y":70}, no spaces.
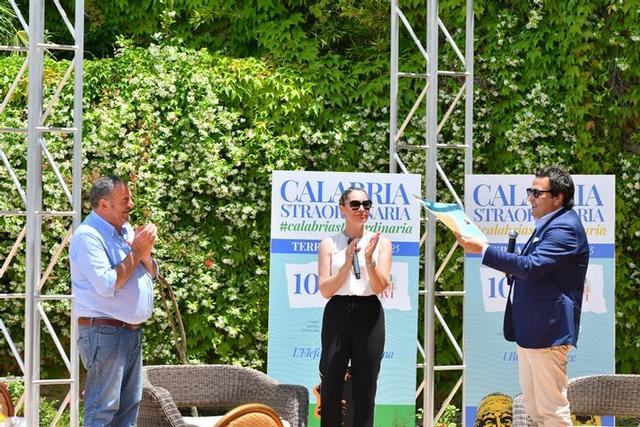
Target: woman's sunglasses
{"x":355,"y":204}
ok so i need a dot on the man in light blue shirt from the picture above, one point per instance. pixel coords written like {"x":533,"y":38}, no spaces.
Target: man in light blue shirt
{"x":112,"y":275}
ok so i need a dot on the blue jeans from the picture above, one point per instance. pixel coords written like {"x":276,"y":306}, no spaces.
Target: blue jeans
{"x":113,"y":389}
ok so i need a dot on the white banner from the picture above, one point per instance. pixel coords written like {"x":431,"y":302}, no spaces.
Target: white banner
{"x":497,"y":204}
{"x":304,"y":211}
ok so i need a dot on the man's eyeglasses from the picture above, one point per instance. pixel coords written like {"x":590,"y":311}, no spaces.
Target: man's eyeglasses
{"x":355,"y":204}
{"x":535,"y":192}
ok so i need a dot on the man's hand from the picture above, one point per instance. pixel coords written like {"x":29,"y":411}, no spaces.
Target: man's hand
{"x":470,"y":245}
{"x":141,"y":246}
{"x":147,"y":235}
{"x":144,"y":239}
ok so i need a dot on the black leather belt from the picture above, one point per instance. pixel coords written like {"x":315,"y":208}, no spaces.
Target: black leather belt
{"x":106,"y":321}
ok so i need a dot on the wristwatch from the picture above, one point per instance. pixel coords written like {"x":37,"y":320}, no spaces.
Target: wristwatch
{"x":371,"y":263}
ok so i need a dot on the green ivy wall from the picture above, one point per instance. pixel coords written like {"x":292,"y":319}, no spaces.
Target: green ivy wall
{"x":198,"y":120}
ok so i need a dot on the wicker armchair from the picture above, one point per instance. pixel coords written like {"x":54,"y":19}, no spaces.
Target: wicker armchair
{"x":217,"y":387}
{"x":615,"y":394}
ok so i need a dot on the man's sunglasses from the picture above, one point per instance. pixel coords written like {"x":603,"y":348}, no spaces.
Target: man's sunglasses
{"x":355,"y":204}
{"x":536,"y":193}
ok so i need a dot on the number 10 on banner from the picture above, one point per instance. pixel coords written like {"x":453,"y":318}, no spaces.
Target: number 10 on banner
{"x":306,"y":283}
{"x":302,"y":285}
{"x":494,"y":289}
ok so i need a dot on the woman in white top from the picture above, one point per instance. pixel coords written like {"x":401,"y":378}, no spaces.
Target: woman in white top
{"x":353,"y":320}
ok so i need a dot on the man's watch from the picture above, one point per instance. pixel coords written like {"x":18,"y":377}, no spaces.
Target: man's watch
{"x":371,"y":263}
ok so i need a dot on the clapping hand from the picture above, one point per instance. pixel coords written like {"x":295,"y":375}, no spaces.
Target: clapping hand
{"x":144,"y":239}
{"x":373,"y":242}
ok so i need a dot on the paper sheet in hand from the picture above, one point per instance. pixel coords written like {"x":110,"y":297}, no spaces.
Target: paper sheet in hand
{"x":455,"y":219}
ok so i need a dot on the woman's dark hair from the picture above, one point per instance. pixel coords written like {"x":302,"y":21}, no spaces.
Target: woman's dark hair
{"x":560,"y":182}
{"x":345,"y":194}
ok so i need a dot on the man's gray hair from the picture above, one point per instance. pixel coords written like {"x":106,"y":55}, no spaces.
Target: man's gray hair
{"x":102,"y":188}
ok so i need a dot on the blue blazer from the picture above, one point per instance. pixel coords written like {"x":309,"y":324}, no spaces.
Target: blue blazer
{"x":548,"y":283}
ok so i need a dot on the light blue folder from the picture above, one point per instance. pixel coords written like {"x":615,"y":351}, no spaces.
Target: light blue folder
{"x":454,"y":218}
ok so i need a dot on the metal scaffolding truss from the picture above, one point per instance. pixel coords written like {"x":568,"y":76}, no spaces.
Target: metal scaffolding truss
{"x":400,"y":147}
{"x":44,"y":108}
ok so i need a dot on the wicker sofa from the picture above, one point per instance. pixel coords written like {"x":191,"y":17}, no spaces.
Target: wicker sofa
{"x":166,"y":389}
{"x":613,"y":394}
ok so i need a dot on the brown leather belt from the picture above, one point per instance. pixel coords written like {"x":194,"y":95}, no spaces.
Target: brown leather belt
{"x":106,"y":321}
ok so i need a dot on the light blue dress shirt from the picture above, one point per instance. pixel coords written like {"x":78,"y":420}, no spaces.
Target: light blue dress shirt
{"x":543,"y":220}
{"x":96,"y":249}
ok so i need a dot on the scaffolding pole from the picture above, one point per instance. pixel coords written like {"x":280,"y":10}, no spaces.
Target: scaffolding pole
{"x":432,"y":170}
{"x":31,"y":195}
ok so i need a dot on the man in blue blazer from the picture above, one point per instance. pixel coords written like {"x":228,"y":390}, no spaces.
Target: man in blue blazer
{"x":543,"y":315}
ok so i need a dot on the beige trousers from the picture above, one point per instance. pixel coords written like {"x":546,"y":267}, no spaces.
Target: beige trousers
{"x":543,"y":378}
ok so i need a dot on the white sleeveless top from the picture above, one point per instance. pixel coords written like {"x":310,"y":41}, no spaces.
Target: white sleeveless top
{"x":352,"y":286}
